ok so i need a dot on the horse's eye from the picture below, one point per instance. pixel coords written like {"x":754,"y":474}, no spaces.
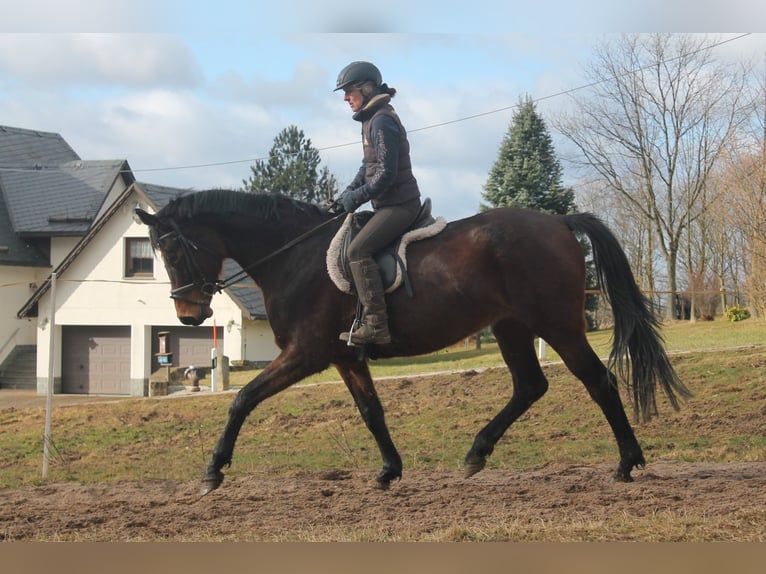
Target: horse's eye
{"x":167,"y":242}
{"x":169,"y":247}
{"x":173,"y":256}
{"x":173,"y":253}
{"x":164,"y":239}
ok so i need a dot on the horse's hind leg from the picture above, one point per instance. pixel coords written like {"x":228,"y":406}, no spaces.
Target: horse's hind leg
{"x":359,"y":382}
{"x":529,"y":384}
{"x":580,"y":358}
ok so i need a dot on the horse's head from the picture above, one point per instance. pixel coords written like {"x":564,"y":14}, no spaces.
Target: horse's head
{"x":193,"y":265}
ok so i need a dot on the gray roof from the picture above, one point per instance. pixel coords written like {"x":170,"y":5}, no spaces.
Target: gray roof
{"x":161,"y":195}
{"x":13,"y":249}
{"x":245,"y":292}
{"x":22,"y":152}
{"x":46,"y":190}
{"x":61,"y":200}
{"x":22,"y":149}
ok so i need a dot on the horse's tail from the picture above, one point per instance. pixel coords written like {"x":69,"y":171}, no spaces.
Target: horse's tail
{"x":636,"y":336}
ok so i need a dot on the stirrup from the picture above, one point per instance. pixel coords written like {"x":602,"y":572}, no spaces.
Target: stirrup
{"x":346,"y":336}
{"x":376,"y":338}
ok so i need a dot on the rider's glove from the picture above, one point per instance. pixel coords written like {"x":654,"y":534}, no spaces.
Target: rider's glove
{"x":350,"y":199}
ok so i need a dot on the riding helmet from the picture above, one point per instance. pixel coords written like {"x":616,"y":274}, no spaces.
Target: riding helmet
{"x":357,"y":73}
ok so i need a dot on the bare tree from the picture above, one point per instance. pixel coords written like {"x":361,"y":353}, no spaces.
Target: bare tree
{"x":745,"y":181}
{"x":652,"y":125}
{"x":720,"y":244}
{"x":636,"y":237}
{"x":634,"y":230}
{"x":742,"y":184}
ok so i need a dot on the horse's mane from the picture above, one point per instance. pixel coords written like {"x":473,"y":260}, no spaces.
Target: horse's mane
{"x":229,"y":201}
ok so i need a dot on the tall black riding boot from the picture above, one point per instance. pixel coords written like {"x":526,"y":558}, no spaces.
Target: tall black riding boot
{"x":369,"y":289}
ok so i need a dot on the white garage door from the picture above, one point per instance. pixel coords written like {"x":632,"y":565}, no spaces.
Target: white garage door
{"x":95,"y":360}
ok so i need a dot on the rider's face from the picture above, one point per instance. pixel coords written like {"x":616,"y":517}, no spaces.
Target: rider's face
{"x":354,"y":98}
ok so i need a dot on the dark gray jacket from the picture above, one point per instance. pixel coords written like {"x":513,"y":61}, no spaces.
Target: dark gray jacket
{"x":385,"y":176}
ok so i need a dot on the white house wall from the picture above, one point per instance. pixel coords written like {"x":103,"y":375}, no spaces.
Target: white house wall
{"x":93,"y":291}
{"x":17,"y":285}
{"x":60,"y":248}
{"x":259,"y":345}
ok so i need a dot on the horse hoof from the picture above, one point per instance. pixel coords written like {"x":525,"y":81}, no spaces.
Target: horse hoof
{"x":208,"y":487}
{"x":621,"y":476}
{"x":210,"y":482}
{"x":474,"y":466}
{"x":386,"y":477}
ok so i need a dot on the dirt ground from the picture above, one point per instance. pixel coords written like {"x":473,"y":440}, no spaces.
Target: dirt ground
{"x":670,"y":500}
{"x":550,"y":503}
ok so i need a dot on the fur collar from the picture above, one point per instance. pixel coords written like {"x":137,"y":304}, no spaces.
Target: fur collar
{"x":372,"y":106}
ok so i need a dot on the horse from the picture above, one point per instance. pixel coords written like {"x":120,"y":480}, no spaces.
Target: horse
{"x":519,"y":271}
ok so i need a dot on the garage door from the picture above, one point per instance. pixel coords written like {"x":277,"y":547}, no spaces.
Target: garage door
{"x":189,"y":345}
{"x":95,"y":360}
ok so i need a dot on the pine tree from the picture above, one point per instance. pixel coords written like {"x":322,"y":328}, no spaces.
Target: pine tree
{"x":527,"y":172}
{"x":292,"y":168}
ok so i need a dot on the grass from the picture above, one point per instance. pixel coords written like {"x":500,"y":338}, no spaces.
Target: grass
{"x":433,"y":418}
{"x":680,"y":336}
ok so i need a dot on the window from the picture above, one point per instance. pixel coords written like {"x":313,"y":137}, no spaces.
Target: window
{"x":139,"y":258}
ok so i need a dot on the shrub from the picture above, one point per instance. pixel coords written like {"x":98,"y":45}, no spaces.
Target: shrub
{"x":737,"y":313}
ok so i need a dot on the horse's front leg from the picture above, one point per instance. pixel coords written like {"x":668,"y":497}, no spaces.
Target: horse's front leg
{"x":282,"y":372}
{"x":359,"y":382}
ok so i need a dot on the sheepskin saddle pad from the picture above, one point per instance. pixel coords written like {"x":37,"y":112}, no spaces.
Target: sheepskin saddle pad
{"x":392,"y":260}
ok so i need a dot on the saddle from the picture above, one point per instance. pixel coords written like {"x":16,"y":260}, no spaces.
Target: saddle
{"x":392,"y":259}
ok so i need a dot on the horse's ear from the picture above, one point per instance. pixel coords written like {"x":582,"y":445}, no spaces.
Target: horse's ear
{"x":146,"y":218}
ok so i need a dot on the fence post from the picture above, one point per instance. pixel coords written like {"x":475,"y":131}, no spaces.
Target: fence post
{"x":49,"y":396}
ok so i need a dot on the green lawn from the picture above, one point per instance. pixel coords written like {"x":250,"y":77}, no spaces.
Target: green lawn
{"x":679,"y":336}
{"x":433,"y":419}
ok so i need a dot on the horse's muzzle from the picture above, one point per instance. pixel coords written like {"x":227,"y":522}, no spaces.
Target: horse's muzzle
{"x":192,"y":321}
{"x":196,"y":319}
{"x":192,"y":312}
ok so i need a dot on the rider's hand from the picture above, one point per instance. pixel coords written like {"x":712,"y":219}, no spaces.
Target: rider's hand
{"x":332,"y":206}
{"x":350,"y":199}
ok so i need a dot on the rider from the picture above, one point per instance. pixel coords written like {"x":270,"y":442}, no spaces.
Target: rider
{"x":386,"y":178}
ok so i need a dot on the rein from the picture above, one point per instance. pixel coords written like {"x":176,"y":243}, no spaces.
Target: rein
{"x":227,"y":282}
{"x":210,"y":288}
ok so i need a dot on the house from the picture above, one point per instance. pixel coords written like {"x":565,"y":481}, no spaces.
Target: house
{"x":99,"y":324}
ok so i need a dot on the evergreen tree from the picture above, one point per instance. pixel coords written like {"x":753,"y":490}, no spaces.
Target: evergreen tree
{"x":292,"y":168}
{"x":527,"y":172}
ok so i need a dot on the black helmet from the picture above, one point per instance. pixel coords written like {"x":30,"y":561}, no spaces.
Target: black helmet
{"x":357,"y":73}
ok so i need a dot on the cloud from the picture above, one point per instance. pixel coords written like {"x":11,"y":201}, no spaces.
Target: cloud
{"x":93,"y":60}
{"x":304,"y":83}
{"x":80,"y":15}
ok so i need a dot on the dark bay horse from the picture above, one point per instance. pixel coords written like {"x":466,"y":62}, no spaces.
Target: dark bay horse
{"x":521,"y":272}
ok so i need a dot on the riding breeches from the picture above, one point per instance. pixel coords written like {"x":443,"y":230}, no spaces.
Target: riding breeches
{"x":385,"y":225}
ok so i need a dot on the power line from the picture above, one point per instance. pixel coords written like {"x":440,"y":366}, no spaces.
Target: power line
{"x":420,"y":129}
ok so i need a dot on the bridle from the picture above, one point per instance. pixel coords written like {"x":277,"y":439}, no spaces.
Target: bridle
{"x":210,"y":287}
{"x":206,"y":286}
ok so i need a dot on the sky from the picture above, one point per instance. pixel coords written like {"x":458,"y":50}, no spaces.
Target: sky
{"x":192,"y":95}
